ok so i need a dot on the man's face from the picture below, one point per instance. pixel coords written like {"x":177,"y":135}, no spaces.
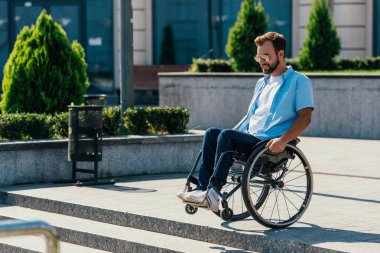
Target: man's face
{"x":266,"y":52}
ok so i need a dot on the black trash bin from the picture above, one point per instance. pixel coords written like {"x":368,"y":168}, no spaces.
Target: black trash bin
{"x":85,"y":140}
{"x":95,"y":99}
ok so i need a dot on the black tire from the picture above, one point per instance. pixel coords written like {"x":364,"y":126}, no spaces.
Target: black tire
{"x":288,"y":193}
{"x":191,"y":209}
{"x":227,"y":214}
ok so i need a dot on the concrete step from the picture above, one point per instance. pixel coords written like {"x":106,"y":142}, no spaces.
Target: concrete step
{"x":112,"y":238}
{"x":330,"y":224}
{"x":139,"y":205}
{"x":222,"y":236}
{"x":34,"y":244}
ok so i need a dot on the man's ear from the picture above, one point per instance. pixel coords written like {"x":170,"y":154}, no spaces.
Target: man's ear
{"x":281,"y":53}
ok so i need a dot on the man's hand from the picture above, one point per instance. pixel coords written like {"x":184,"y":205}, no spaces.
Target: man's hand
{"x":276,"y":145}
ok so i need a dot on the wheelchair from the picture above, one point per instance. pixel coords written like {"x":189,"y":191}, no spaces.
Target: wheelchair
{"x":274,"y":188}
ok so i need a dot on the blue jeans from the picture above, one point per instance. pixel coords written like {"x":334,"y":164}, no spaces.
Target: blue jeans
{"x":215,"y":142}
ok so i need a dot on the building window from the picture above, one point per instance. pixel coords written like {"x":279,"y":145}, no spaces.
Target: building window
{"x":201,"y":28}
{"x":99,"y":45}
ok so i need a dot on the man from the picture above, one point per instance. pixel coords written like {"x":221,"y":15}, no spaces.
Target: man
{"x":280,"y":111}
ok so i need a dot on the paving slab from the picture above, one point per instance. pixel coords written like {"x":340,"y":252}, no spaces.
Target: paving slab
{"x":343,"y":214}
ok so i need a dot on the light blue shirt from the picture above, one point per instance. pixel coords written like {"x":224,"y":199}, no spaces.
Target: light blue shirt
{"x":294,"y":94}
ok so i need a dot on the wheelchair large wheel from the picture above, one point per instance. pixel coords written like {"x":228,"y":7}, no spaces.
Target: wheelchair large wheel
{"x":288,"y":177}
{"x":233,"y":193}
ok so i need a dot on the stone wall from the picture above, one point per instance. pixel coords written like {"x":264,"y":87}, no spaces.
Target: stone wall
{"x":347,"y":106}
{"x":46,"y":160}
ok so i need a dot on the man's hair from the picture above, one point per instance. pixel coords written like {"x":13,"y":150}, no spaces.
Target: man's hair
{"x":278,"y":40}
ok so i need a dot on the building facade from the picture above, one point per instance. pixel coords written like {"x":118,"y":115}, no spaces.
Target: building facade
{"x":198,"y":28}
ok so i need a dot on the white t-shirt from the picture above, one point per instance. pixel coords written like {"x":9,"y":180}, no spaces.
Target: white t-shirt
{"x":264,"y":103}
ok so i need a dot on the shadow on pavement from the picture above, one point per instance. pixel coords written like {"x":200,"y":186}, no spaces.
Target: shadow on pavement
{"x":224,"y":250}
{"x":316,"y":234}
{"x":313,"y":234}
{"x":345,"y":197}
{"x":121,"y":188}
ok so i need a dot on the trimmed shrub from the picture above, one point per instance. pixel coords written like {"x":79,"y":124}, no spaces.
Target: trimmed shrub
{"x":210,"y":65}
{"x":59,"y":124}
{"x":24,"y":126}
{"x":156,"y":120}
{"x":168,"y":119}
{"x":151,"y":120}
{"x":135,"y":121}
{"x":372,"y":63}
{"x":251,"y":22}
{"x":322,"y":43}
{"x":176,"y":119}
{"x":44,"y":73}
{"x":111,"y":120}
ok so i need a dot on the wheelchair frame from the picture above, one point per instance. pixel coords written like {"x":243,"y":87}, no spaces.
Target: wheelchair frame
{"x":261,"y":164}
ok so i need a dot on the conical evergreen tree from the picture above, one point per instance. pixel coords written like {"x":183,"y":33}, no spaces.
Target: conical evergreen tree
{"x":251,"y":22}
{"x":322,"y":43}
{"x":44,"y":73}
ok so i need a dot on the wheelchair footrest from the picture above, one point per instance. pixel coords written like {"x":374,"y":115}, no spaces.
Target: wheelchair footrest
{"x":203,"y":204}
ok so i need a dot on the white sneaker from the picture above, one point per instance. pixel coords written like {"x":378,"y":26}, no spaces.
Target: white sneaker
{"x":213,"y":200}
{"x":196,"y":196}
{"x":208,"y":199}
{"x":185,"y":195}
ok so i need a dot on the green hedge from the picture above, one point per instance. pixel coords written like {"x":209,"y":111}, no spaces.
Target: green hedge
{"x":59,"y":125}
{"x":372,"y":63}
{"x":209,"y":65}
{"x":24,"y":126}
{"x":156,"y":120}
{"x":151,"y":120}
{"x":111,"y":120}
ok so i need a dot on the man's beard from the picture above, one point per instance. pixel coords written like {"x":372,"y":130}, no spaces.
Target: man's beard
{"x":271,"y":67}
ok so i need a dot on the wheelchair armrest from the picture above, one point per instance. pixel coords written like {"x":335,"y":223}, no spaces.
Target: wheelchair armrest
{"x":294,"y":142}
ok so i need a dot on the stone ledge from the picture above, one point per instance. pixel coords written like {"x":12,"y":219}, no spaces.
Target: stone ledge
{"x":194,"y":136}
{"x":46,"y":160}
{"x":259,"y":75}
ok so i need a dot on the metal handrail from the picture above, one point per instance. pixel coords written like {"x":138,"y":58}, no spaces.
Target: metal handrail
{"x":17,"y":227}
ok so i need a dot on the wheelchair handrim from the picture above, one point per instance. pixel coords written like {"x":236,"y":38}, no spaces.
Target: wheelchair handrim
{"x":303,"y":206}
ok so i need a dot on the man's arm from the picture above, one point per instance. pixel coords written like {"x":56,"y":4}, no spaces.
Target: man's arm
{"x":301,"y":122}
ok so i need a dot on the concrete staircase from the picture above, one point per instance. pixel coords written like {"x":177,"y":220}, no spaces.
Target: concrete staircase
{"x":142,"y":214}
{"x":135,"y":215}
{"x":84,"y":228}
{"x":107,"y":237}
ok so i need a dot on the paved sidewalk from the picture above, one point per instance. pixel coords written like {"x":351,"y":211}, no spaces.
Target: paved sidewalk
{"x":344,"y":213}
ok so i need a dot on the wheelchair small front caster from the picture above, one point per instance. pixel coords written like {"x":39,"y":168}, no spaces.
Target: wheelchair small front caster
{"x":226,"y":214}
{"x":191,"y":209}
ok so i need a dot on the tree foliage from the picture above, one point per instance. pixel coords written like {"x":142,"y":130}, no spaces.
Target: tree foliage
{"x":44,"y":72}
{"x":322,"y":43}
{"x":251,"y":22}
